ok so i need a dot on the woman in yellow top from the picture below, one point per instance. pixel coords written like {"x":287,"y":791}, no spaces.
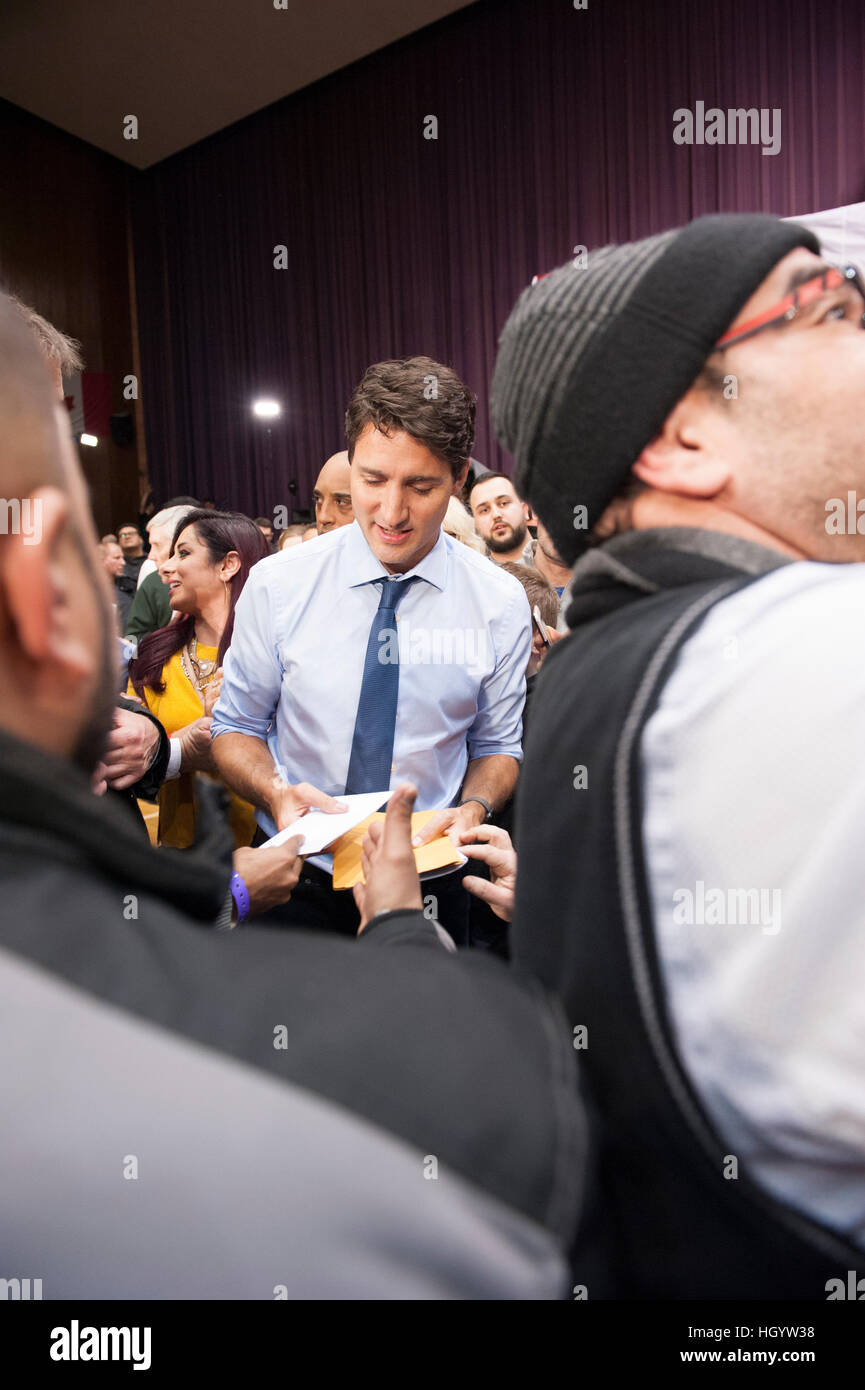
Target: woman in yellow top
{"x":177,"y":670}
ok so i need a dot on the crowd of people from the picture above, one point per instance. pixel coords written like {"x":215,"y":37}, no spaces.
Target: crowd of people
{"x":621,"y":1038}
{"x":181,"y":596}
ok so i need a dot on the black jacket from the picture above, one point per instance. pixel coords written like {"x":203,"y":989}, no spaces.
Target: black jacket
{"x":443,"y":1062}
{"x":673,"y":1224}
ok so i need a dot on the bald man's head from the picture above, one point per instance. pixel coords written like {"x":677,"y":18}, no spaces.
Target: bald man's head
{"x":331,"y":495}
{"x":56,"y":654}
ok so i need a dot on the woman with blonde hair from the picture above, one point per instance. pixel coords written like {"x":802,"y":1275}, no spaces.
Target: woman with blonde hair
{"x":458,"y":523}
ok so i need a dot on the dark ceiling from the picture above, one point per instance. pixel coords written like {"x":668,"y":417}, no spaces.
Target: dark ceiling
{"x":183,"y":68}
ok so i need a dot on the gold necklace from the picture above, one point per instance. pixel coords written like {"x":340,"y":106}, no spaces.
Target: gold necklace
{"x":198,"y":673}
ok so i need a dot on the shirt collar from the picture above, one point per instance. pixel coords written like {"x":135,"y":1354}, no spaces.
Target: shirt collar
{"x":360,"y":565}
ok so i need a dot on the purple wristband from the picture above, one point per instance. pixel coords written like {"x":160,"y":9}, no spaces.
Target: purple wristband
{"x":240,"y":893}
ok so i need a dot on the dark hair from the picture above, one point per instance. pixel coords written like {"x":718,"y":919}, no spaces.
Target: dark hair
{"x":264,"y":521}
{"x":180,"y":502}
{"x":538,"y":591}
{"x":622,"y":502}
{"x":488,"y":477}
{"x":420,"y":396}
{"x":220,"y":532}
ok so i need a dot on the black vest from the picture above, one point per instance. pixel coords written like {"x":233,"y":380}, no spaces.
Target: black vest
{"x":670,"y":1224}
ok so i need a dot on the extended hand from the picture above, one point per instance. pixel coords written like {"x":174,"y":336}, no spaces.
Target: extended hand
{"x":210,"y":693}
{"x":498,"y":853}
{"x":454,"y":821}
{"x":388,"y":862}
{"x":288,"y":802}
{"x":269,"y":874}
{"x":196,"y":751}
{"x":129,"y":751}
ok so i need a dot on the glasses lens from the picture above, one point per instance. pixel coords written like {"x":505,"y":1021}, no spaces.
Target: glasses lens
{"x":836,"y":295}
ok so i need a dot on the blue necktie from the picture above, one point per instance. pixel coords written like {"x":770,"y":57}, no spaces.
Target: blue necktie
{"x":372,"y":744}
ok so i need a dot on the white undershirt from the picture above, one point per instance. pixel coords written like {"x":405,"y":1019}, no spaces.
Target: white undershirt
{"x":174,"y":759}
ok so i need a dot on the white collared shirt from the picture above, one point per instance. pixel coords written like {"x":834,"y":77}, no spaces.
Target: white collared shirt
{"x":292,"y":676}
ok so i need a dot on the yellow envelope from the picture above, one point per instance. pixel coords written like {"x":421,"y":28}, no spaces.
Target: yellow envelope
{"x":346,"y":850}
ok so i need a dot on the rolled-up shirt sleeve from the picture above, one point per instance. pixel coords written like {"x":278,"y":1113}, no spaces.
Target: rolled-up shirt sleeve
{"x":252,"y":671}
{"x":498,"y":724}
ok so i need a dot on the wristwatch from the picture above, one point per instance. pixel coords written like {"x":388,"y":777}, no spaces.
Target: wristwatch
{"x":488,"y":810}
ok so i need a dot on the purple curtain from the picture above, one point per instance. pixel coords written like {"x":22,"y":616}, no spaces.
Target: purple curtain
{"x":555,"y":129}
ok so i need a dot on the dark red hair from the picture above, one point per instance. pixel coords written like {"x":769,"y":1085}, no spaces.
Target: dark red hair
{"x":219,"y":532}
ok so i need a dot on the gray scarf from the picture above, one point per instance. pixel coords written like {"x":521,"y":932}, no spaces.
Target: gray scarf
{"x":666,"y":557}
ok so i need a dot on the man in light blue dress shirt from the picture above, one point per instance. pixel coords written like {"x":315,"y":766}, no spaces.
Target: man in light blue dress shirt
{"x":286,"y":726}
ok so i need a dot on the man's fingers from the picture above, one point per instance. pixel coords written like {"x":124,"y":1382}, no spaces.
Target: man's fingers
{"x":291,"y":848}
{"x":374,"y":832}
{"x":121,"y":740}
{"x":488,"y":854}
{"x":120,"y":784}
{"x":397,"y":818}
{"x":116,"y":765}
{"x":282,"y":854}
{"x":311,"y":796}
{"x":121,"y":753}
{"x":433,"y":828}
{"x":490,"y":834}
{"x":121,"y":776}
{"x":488,"y":892}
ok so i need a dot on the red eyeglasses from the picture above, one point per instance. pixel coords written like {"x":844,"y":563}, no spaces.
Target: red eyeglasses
{"x":844,"y":283}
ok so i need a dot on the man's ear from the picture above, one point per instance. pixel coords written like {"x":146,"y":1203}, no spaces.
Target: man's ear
{"x":683,"y":458}
{"x":34,"y":573}
{"x":460,"y":480}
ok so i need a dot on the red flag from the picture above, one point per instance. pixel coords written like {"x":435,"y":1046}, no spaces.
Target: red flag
{"x":88,"y":400}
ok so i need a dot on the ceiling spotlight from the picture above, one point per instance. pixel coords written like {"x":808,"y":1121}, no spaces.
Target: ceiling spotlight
{"x":89,"y":439}
{"x":266,"y":409}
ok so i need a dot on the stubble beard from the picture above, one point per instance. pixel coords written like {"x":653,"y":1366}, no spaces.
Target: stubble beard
{"x":500,"y":544}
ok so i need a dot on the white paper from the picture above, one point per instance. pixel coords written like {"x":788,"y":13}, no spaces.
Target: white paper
{"x":319,"y":829}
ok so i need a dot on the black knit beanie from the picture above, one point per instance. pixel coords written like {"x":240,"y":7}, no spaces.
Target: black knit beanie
{"x":592,"y":360}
